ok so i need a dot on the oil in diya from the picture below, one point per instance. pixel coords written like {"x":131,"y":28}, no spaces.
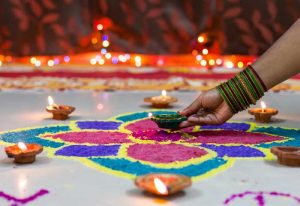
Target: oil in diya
{"x":162,"y":101}
{"x":59,"y":112}
{"x":287,"y":155}
{"x":163,"y":184}
{"x":263,"y":114}
{"x":167,"y":121}
{"x":23,"y":153}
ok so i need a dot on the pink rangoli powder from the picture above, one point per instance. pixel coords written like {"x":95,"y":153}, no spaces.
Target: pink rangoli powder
{"x":164,"y":153}
{"x":142,"y":125}
{"x":230,"y":136}
{"x":93,"y":137}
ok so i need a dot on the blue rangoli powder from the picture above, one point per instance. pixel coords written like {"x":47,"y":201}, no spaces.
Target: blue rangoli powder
{"x":138,"y":168}
{"x":293,"y":134}
{"x":31,"y":136}
{"x":234,"y":151}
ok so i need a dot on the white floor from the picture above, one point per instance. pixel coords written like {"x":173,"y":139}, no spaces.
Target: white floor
{"x":71,"y":183}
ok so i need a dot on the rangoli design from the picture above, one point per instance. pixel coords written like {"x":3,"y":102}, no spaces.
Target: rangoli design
{"x":130,"y":145}
{"x":14,"y":201}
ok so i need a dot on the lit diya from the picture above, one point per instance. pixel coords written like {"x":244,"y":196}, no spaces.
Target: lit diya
{"x":23,"y":153}
{"x":161,"y":101}
{"x":163,"y":184}
{"x":263,"y":114}
{"x":286,"y":155}
{"x":59,"y":112}
{"x":167,"y":121}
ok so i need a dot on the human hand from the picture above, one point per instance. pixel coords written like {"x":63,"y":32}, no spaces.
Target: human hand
{"x":208,"y":108}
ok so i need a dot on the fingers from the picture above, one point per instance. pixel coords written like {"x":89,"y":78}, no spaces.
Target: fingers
{"x":203,"y":120}
{"x":186,"y":124}
{"x":192,"y":108}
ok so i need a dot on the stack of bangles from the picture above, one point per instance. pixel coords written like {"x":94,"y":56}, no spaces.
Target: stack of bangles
{"x":242,"y":90}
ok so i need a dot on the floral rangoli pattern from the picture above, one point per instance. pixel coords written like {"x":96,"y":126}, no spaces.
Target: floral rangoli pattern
{"x":130,"y":145}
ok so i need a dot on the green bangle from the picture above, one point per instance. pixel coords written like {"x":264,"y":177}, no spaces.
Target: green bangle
{"x":237,"y":93}
{"x":254,"y":80}
{"x":223,"y":95}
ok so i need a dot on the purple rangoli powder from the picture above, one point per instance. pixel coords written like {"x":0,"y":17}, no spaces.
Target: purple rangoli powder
{"x":22,"y":200}
{"x":157,"y":135}
{"x":103,"y":125}
{"x":234,"y":151}
{"x":88,"y":151}
{"x":164,"y":153}
{"x":93,"y":137}
{"x":230,"y":136}
{"x":259,"y":197}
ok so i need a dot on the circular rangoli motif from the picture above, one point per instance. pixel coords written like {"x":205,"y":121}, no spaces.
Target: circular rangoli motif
{"x":130,"y":145}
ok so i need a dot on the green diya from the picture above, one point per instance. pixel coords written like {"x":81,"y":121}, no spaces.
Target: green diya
{"x":168,"y":121}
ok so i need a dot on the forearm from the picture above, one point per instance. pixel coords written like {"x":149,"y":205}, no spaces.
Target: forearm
{"x":282,"y":60}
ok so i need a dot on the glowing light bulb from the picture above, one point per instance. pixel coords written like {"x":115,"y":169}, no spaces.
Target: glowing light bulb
{"x":105,"y":43}
{"x":240,"y":64}
{"x":50,"y":63}
{"x":101,"y":61}
{"x":107,"y":55}
{"x":201,"y":39}
{"x":203,"y":62}
{"x":32,"y":60}
{"x":229,"y":64}
{"x":204,"y":51}
{"x":211,"y":62}
{"x":99,"y":27}
{"x":93,"y":61}
{"x":219,"y":61}
{"x":37,"y":63}
{"x":94,"y":40}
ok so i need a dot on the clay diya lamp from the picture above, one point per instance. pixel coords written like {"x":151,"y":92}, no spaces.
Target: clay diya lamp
{"x":163,"y":184}
{"x":263,"y":114}
{"x":286,"y":155}
{"x":168,"y":121}
{"x":281,"y":87}
{"x":59,"y":112}
{"x":162,"y":101}
{"x":23,"y":153}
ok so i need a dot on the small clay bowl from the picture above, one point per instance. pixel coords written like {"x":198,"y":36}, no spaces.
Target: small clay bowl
{"x":263,"y":116}
{"x":174,"y":183}
{"x":24,"y":157}
{"x":286,"y":155}
{"x":160,"y":102}
{"x":61,"y":112}
{"x":168,"y":121}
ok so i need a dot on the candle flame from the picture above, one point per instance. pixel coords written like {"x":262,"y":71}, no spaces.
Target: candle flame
{"x":22,"y":146}
{"x":160,"y":186}
{"x":263,"y":106}
{"x":164,"y":93}
{"x":50,"y":100}
{"x":150,"y":114}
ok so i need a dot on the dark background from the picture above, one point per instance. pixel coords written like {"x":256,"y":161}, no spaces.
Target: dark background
{"x":49,"y":27}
